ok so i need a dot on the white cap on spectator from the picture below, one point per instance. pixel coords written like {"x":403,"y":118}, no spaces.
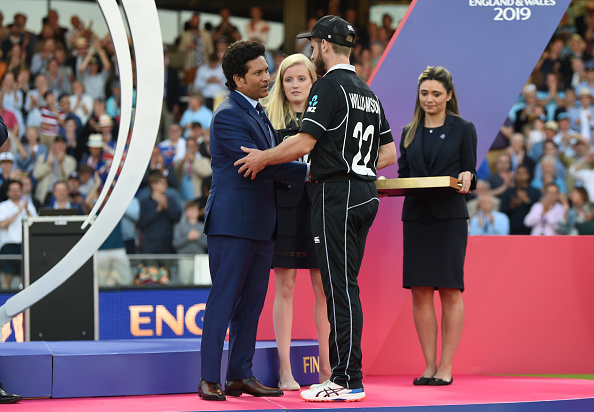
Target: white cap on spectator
{"x":95,"y":140}
{"x":6,"y":157}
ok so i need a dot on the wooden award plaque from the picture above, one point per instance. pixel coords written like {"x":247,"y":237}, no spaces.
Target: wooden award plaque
{"x":417,"y":185}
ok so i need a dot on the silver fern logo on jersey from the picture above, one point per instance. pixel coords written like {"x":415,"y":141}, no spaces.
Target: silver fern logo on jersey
{"x":312,"y":104}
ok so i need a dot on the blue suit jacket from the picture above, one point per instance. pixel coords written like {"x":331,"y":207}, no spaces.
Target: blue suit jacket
{"x":239,"y":206}
{"x":450,"y":155}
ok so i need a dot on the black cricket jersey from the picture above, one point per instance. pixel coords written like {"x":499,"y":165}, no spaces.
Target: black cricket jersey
{"x":348,"y":121}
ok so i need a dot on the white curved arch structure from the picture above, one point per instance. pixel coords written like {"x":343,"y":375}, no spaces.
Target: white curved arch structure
{"x":122,"y":50}
{"x":148,"y":47}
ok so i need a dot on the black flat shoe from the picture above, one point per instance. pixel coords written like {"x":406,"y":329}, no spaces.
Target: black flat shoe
{"x":440,"y":382}
{"x":421,"y":381}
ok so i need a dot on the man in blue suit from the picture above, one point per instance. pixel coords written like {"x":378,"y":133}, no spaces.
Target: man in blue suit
{"x":240,"y":223}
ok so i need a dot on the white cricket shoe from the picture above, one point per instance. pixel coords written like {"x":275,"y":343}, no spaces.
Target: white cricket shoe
{"x":332,"y":392}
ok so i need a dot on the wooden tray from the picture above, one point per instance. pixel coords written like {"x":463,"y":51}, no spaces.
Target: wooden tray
{"x":417,"y":185}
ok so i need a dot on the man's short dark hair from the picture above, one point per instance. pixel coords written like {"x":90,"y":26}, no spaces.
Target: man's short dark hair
{"x":236,"y":58}
{"x":154,"y":177}
{"x":10,"y":182}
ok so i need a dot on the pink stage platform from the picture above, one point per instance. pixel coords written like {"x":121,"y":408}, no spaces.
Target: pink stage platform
{"x":467,"y":393}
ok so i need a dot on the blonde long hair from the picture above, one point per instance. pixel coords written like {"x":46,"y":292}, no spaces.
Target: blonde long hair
{"x":277,"y":106}
{"x":443,"y":76}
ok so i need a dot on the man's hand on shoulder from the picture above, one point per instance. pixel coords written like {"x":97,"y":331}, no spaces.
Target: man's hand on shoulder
{"x":252,"y":163}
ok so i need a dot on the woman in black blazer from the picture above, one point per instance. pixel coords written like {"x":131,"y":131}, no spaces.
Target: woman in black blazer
{"x":438,"y":142}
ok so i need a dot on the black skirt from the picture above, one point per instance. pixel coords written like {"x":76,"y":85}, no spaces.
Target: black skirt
{"x":294,"y":246}
{"x":434,"y":252}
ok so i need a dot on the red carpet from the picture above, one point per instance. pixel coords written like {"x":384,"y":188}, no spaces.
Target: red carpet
{"x":382,"y":392}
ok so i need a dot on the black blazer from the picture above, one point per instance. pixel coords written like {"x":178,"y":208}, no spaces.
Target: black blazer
{"x":454,"y":152}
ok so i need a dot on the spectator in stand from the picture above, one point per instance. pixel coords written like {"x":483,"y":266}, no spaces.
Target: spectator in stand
{"x":578,"y":212}
{"x":113,"y":103}
{"x":518,"y":154}
{"x":85,"y":175}
{"x":40,"y":60}
{"x":551,"y":62}
{"x":173,"y":149}
{"x":362,"y":37}
{"x":191,"y":170}
{"x":550,"y":97}
{"x":52,"y":119}
{"x":81,"y":45}
{"x":550,"y":149}
{"x":113,"y":265}
{"x":537,"y":149}
{"x":52,"y":20}
{"x":81,"y":103}
{"x":365,"y":65}
{"x":7,"y":172}
{"x":57,"y":165}
{"x":197,"y":44}
{"x":12,"y":99}
{"x":189,"y":239}
{"x":569,"y":107}
{"x":503,"y":177}
{"x":61,"y":197}
{"x":387,"y":23}
{"x":196,"y":112}
{"x":98,"y":158}
{"x":16,"y":35}
{"x":57,"y":81}
{"x":583,"y":174}
{"x":549,"y":175}
{"x":12,"y":212}
{"x":487,"y":220}
{"x":69,"y":132}
{"x":210,"y":81}
{"x":30,"y":151}
{"x":256,"y":27}
{"x":517,"y":201}
{"x":585,"y":120}
{"x":530,"y":111}
{"x":129,"y":223}
{"x":225,"y":28}
{"x":482,"y":188}
{"x":545,"y":215}
{"x":16,"y":59}
{"x":34,"y":101}
{"x":95,"y":79}
{"x":107,"y":129}
{"x":588,"y":82}
{"x":565,"y":137}
{"x":157,"y":164}
{"x":303,"y":46}
{"x":28,"y":191}
{"x":64,"y":103}
{"x":580,"y":152}
{"x":159,"y":212}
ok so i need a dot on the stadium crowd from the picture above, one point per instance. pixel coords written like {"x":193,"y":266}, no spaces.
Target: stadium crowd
{"x":60,"y":99}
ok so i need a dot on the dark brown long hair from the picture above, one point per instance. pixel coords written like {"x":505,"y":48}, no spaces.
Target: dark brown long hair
{"x":443,"y":76}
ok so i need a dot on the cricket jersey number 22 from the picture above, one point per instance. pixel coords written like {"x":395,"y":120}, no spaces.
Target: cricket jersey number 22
{"x":363,"y":167}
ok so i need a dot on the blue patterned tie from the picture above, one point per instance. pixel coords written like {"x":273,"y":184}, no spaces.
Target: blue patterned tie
{"x":266,"y":121}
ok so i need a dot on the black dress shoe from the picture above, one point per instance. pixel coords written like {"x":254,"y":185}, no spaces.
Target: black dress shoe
{"x":210,"y":391}
{"x":440,"y":382}
{"x":251,"y":386}
{"x":6,"y":397}
{"x":421,"y":381}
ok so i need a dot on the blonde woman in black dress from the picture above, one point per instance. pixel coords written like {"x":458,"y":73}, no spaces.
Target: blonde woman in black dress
{"x":438,"y":142}
{"x":294,"y":248}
